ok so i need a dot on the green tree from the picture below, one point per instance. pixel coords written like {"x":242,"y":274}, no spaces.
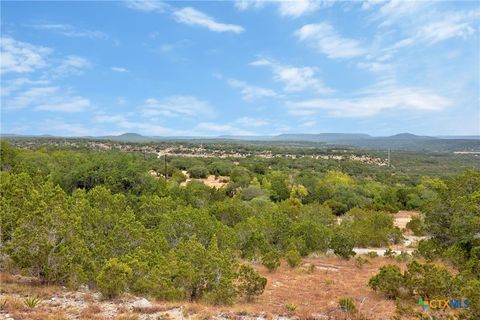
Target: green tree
{"x":250,"y":283}
{"x":113,"y":279}
{"x":389,"y":281}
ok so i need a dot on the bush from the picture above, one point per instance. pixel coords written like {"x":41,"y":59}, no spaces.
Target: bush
{"x":250,"y":283}
{"x":389,"y":253}
{"x":347,"y":305}
{"x":372,"y":254}
{"x":342,"y":246}
{"x":472,"y":293}
{"x":417,"y":226}
{"x":293,"y":258}
{"x":113,"y":278}
{"x":428,"y":280}
{"x":271,"y":260}
{"x":388,"y":281}
{"x":291,"y":307}
{"x":427,"y":249}
{"x":198,"y":172}
{"x":360,"y":261}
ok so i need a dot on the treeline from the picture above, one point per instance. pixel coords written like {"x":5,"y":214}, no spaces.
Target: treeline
{"x":452,"y":222}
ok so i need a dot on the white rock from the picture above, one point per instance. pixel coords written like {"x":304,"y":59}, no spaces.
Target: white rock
{"x":141,"y":304}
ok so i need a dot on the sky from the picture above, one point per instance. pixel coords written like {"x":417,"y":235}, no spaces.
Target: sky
{"x":210,"y":68}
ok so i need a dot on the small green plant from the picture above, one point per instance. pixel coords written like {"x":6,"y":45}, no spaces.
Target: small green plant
{"x":3,"y":303}
{"x":417,"y":226}
{"x":291,"y":307}
{"x":360,"y":261}
{"x":113,"y":278}
{"x":372,"y":254}
{"x":403,"y":256}
{"x":347,"y":305}
{"x":311,"y":268}
{"x":293,"y":258}
{"x":388,"y":281}
{"x":389,"y":253}
{"x":251,"y":284}
{"x":271,"y":260}
{"x":31,"y":302}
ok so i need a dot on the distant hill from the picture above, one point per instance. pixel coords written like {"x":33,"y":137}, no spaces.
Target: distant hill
{"x":127,"y":137}
{"x":401,"y":141}
{"x":321,"y":137}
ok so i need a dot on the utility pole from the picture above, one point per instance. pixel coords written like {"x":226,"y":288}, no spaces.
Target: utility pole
{"x":388,"y":162}
{"x":166,"y":174}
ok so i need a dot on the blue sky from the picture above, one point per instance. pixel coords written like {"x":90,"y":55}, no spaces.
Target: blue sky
{"x":240,"y":67}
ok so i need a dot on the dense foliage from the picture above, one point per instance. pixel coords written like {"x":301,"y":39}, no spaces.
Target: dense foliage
{"x":76,"y":216}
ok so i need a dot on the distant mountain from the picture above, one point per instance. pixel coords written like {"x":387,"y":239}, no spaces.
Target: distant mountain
{"x":128,"y":137}
{"x":321,"y":137}
{"x":409,"y":136}
{"x":401,"y":141}
{"x":461,"y":137}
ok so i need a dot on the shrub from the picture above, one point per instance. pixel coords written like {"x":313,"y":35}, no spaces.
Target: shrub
{"x":342,"y":246}
{"x":427,"y":249}
{"x":347,"y":305}
{"x":31,"y":302}
{"x":403,"y":256}
{"x":360,"y":261}
{"x":388,"y":281}
{"x":472,"y":293}
{"x":250,"y":284}
{"x":389,"y":253}
{"x":198,"y":172}
{"x":372,"y":254}
{"x":113,"y":278}
{"x":428,"y":280}
{"x":293,"y":258}
{"x":291,"y":307}
{"x":271,"y":260}
{"x":417,"y":226}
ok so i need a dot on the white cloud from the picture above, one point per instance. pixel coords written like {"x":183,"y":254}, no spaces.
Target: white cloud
{"x":327,"y":40}
{"x":451,"y":25}
{"x":146,"y":128}
{"x":48,"y":98}
{"x":27,"y":97}
{"x":295,"y":79}
{"x":64,"y":104}
{"x":147,"y":5}
{"x":119,"y":69}
{"x":299,"y":7}
{"x":250,"y":122}
{"x":373,"y":101}
{"x":246,"y":4}
{"x":393,"y":11}
{"x":11,"y":86}
{"x":71,"y":64}
{"x":286,"y":8}
{"x":69,"y":129}
{"x":177,"y":106}
{"x":212,"y":129}
{"x":71,"y":31}
{"x":193,"y":17}
{"x":21,"y":57}
{"x":249,"y":92}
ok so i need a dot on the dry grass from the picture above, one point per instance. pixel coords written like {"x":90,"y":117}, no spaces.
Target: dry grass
{"x":91,"y":311}
{"x":314,"y":293}
{"x":127,"y":316}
